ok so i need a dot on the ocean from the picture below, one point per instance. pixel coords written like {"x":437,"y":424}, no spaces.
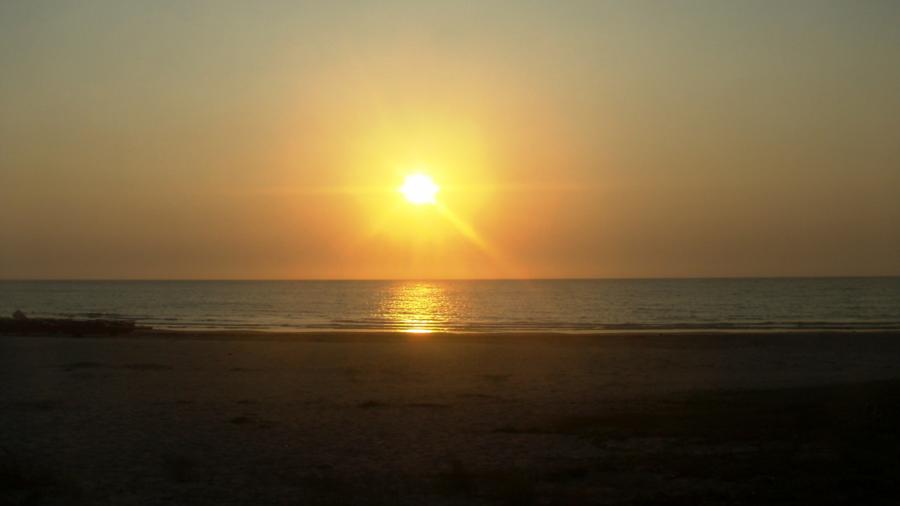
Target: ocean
{"x":472,"y":306}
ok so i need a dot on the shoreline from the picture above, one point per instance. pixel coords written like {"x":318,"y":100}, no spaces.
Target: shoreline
{"x":468,"y":336}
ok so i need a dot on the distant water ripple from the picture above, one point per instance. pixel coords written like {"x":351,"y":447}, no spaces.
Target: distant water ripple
{"x":472,"y":306}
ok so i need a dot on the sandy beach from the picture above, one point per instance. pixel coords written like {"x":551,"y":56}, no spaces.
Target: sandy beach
{"x":384,"y":418}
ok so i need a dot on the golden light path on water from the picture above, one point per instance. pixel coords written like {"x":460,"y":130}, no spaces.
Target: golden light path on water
{"x":417,"y":307}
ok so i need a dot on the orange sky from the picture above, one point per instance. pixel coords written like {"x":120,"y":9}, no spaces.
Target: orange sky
{"x":591,"y":139}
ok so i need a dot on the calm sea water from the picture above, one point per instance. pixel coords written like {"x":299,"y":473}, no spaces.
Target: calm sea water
{"x":493,"y":306}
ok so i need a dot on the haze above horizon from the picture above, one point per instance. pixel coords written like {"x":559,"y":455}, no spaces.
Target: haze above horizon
{"x":233,"y":140}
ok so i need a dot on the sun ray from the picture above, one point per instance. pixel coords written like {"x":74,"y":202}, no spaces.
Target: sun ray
{"x":465,"y":229}
{"x":419,"y":189}
{"x":469,"y":233}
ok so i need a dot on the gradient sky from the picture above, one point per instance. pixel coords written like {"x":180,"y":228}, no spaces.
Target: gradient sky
{"x":222,"y":139}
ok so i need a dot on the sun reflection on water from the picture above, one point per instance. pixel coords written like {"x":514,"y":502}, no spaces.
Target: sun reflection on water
{"x":415,"y":307}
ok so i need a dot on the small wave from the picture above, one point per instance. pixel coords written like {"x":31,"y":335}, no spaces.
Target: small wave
{"x":475,"y":306}
{"x":493,"y":324}
{"x":528,"y":326}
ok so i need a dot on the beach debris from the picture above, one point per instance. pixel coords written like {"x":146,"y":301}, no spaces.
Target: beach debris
{"x":19,"y":315}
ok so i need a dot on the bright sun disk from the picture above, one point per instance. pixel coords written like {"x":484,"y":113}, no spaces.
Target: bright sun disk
{"x":419,"y":189}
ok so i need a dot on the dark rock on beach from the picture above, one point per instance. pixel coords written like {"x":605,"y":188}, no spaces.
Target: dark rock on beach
{"x":20,"y":324}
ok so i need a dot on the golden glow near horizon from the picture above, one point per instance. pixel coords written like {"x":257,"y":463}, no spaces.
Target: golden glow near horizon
{"x":436,"y":232}
{"x":419,"y":189}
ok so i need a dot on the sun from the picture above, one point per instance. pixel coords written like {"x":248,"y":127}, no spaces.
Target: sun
{"x":419,"y":189}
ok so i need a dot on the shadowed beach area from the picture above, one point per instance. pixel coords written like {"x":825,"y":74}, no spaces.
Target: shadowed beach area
{"x":387,"y":418}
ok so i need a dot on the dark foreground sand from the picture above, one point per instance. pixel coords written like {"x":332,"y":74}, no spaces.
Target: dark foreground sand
{"x":401,"y":419}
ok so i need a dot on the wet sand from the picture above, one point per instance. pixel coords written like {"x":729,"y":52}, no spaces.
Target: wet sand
{"x":378,"y":418}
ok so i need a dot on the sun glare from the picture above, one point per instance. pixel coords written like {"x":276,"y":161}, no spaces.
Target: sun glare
{"x":419,"y":189}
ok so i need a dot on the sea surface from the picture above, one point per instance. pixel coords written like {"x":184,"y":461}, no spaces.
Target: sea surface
{"x":471,"y":306}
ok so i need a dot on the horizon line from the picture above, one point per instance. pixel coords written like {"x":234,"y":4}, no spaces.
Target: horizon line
{"x":571,"y":278}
